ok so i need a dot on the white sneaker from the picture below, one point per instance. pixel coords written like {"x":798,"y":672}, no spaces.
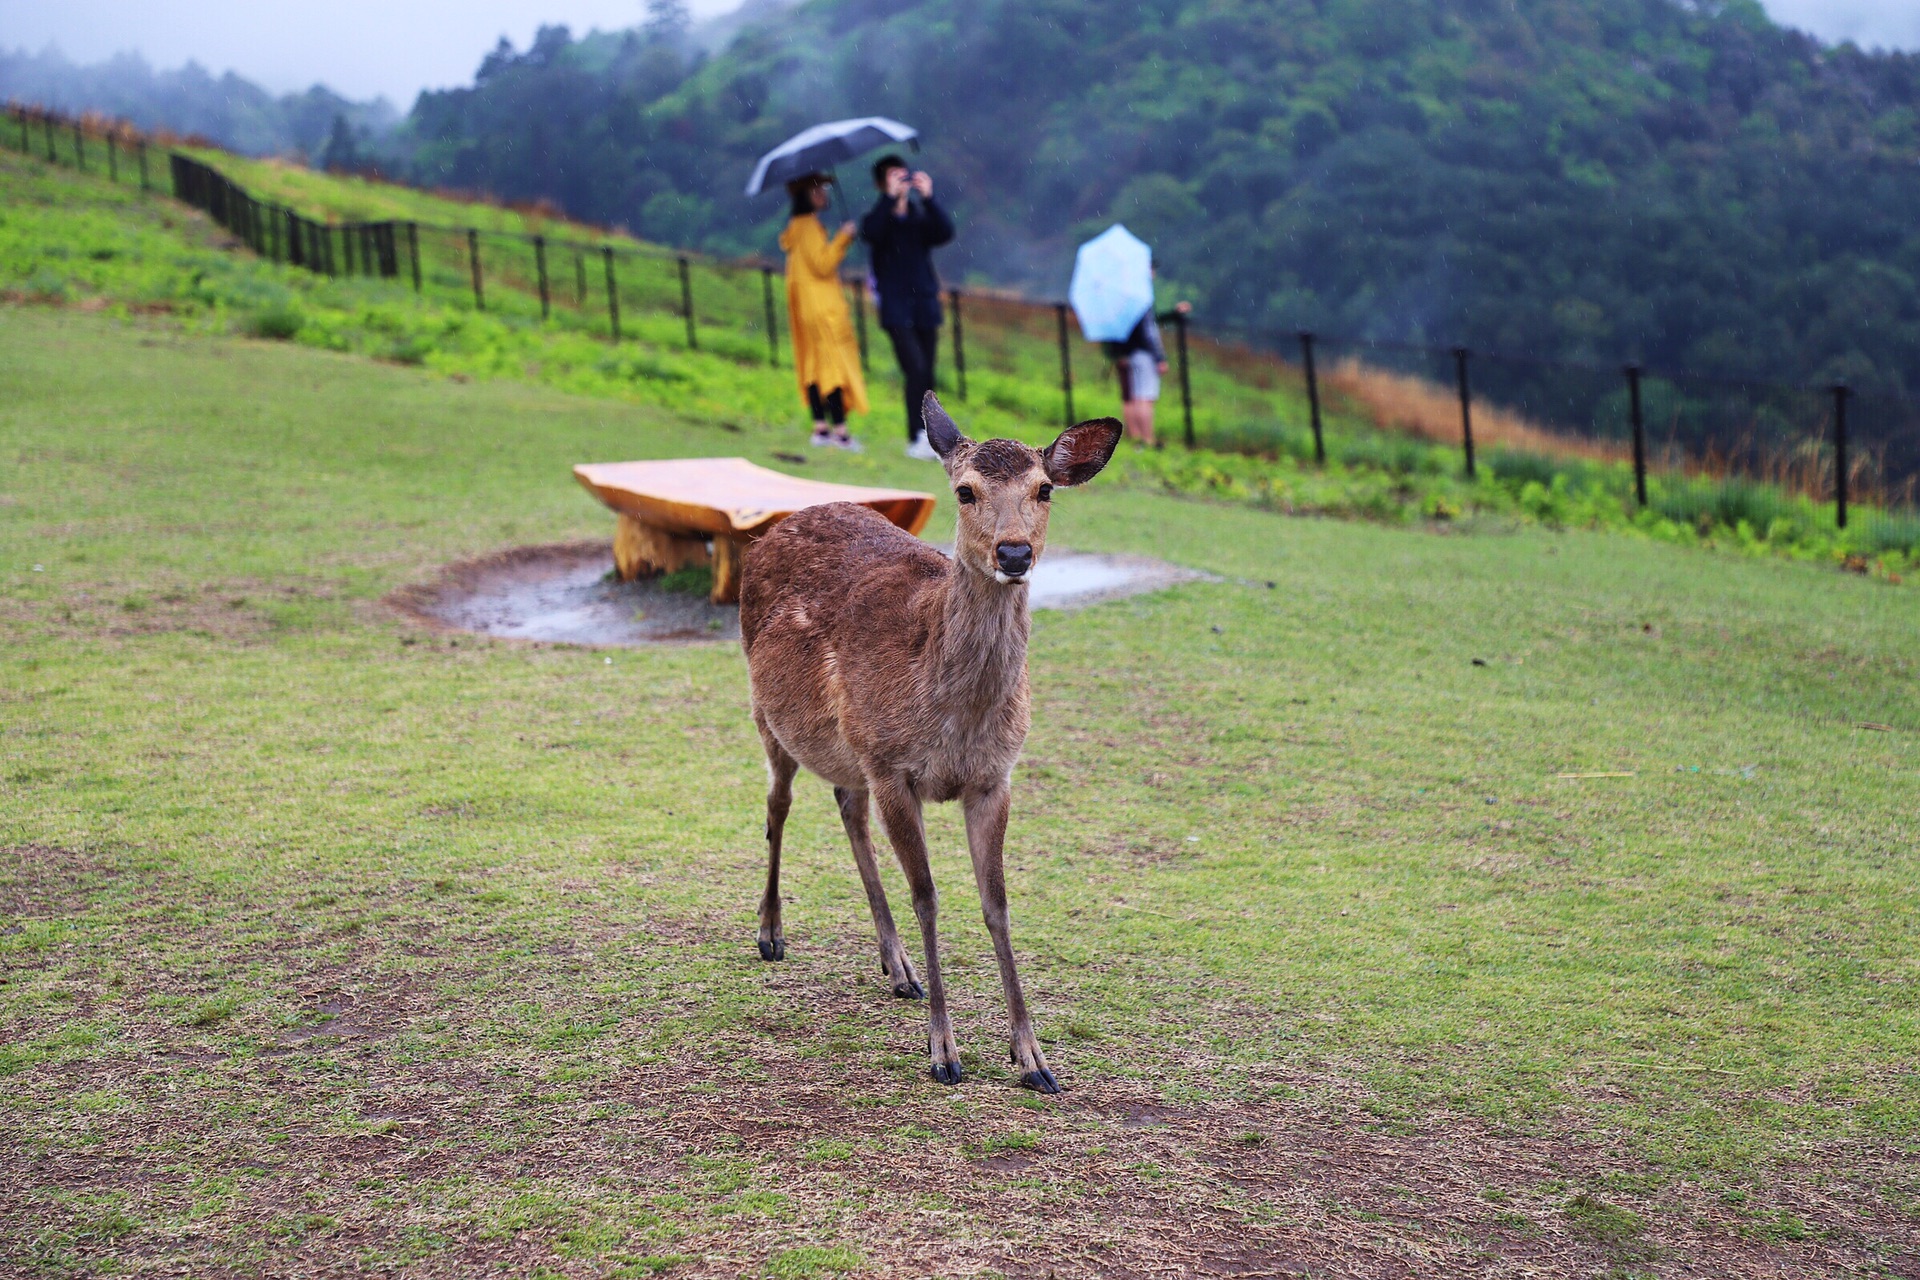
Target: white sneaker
{"x":848,"y":443}
{"x":821,"y":440}
{"x":919,"y":448}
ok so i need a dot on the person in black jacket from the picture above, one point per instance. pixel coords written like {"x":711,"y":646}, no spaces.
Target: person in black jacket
{"x":901,"y":234}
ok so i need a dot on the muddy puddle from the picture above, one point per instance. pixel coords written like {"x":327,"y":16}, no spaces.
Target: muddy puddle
{"x":567,"y":594}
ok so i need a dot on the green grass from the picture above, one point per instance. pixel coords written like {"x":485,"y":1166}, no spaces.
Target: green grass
{"x":358,"y":943}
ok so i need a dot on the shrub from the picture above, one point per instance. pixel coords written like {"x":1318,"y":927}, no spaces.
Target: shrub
{"x":280,"y":323}
{"x":412,"y":349}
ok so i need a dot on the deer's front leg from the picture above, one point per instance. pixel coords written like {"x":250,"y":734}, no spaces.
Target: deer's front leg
{"x":900,"y":815}
{"x":986,"y":836}
{"x":780,"y":770}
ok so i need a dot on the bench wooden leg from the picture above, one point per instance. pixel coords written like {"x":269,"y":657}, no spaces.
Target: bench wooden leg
{"x":643,"y":548}
{"x":726,"y":569}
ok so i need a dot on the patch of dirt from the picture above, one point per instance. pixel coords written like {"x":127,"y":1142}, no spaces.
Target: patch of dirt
{"x":566,"y":593}
{"x":405,"y":1126}
{"x":41,"y":882}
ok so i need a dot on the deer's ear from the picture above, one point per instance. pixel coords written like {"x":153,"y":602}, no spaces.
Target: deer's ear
{"x":1077,"y":456}
{"x":941,"y":433}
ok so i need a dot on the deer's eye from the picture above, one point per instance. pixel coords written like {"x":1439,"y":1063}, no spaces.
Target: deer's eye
{"x":1046,"y":493}
{"x":964,"y":493}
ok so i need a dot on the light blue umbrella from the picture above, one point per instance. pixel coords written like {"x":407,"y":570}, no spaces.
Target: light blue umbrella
{"x":1112,"y":284}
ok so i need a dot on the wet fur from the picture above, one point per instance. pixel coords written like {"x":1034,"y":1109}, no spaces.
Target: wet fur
{"x":896,"y":673}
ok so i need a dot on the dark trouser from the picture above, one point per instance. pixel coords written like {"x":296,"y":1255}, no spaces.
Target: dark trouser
{"x":829,"y":408}
{"x":915,"y":349}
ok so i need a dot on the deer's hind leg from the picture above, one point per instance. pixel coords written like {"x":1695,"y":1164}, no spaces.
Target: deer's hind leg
{"x":780,"y":770}
{"x":893,"y":956}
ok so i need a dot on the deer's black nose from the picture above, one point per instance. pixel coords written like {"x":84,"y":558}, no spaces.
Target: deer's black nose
{"x":1014,"y":558}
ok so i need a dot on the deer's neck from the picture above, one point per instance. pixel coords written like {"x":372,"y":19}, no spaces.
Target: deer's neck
{"x":980,"y":653}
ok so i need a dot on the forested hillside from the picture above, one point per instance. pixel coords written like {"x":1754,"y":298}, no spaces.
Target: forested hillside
{"x":1687,"y":184}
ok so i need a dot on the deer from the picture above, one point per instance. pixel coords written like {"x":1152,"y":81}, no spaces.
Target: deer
{"x":899,"y":676}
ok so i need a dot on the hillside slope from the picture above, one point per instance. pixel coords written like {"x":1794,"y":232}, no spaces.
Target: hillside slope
{"x":1589,"y":179}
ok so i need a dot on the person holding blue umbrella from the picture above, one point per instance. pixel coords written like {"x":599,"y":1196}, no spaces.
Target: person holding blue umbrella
{"x":1112,"y":296}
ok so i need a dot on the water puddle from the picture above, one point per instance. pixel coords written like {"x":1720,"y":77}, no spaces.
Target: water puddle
{"x":566,"y":594}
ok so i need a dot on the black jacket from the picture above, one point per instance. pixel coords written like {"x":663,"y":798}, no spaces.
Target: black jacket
{"x":1145,"y":337}
{"x":901,"y":250}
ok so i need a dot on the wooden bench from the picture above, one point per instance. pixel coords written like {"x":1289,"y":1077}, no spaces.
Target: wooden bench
{"x":691,"y":511}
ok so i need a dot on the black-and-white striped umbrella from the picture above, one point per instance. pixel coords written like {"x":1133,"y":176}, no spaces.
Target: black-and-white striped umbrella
{"x":825,"y":145}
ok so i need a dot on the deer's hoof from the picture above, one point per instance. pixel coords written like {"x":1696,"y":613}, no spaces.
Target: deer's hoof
{"x":946,"y":1072}
{"x":909,"y":990}
{"x":1040,"y":1081}
{"x":775,"y":950}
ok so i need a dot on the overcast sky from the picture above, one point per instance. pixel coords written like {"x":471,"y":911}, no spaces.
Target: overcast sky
{"x":398,"y":47}
{"x":359,"y":47}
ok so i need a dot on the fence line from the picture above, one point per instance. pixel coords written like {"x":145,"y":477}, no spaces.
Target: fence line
{"x":373,"y":249}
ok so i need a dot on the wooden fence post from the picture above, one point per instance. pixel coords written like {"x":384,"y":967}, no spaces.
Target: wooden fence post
{"x":413,"y":252}
{"x":860,"y":323}
{"x":773,"y":331}
{"x":540,"y":269}
{"x":1466,"y":406}
{"x":686,"y":302}
{"x":1066,"y":358}
{"x":1840,"y":455}
{"x":1186,"y":389}
{"x":1639,"y":435}
{"x":1313,"y":396}
{"x":613,"y":293}
{"x":959,"y":346}
{"x":473,"y":260}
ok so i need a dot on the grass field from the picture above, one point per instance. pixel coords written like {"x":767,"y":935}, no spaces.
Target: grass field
{"x":328,"y":943}
{"x":331,"y":943}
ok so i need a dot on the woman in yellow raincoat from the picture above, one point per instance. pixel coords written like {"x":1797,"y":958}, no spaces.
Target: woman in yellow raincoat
{"x":826,"y":355}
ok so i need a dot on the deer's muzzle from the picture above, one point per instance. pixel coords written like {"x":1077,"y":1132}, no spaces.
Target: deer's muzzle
{"x":1013,"y":558}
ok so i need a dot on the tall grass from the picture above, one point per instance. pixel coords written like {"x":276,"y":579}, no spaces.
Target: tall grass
{"x":1419,"y":407}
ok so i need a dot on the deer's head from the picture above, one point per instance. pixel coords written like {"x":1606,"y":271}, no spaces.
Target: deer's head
{"x":1005,"y":488}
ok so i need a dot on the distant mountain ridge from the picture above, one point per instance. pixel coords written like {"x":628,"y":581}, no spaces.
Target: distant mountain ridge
{"x":227,"y":109}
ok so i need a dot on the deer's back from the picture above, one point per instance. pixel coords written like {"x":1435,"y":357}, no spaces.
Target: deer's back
{"x":824,"y":563}
{"x":834,"y":615}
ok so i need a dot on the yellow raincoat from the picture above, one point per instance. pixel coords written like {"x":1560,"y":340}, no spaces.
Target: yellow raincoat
{"x":825,"y":352}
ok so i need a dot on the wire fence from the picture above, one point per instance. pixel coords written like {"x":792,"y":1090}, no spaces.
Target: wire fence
{"x":1693,"y":448}
{"x":1696,"y":448}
